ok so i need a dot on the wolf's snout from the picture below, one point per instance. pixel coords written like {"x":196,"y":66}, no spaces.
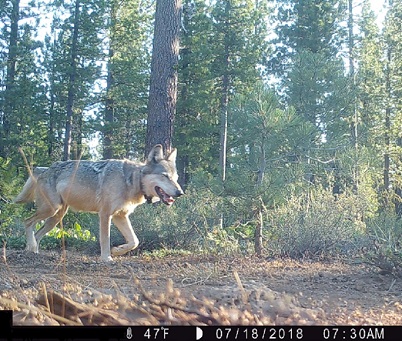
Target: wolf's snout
{"x":179,"y":193}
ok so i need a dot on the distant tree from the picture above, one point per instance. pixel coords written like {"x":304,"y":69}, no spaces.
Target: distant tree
{"x":224,"y":45}
{"x":312,"y":25}
{"x":393,"y":105}
{"x":239,"y":46}
{"x":127,"y":81}
{"x":268,"y":143}
{"x":312,"y":77}
{"x":71,"y":92}
{"x":370,"y":78}
{"x":370,"y":102}
{"x":196,"y":127}
{"x":22,"y":99}
{"x":72,"y":66}
{"x":9,"y":95}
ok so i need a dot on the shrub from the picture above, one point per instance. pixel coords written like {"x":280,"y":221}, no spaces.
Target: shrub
{"x":385,"y":248}
{"x":185,"y":225}
{"x":315,"y":224}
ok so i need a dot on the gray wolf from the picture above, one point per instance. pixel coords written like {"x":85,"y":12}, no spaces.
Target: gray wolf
{"x":111,"y":188}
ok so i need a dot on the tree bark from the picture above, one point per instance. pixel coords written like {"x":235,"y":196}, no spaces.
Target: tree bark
{"x":163,"y":82}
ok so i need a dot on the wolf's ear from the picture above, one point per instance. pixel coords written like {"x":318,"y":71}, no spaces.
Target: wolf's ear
{"x":172,"y":155}
{"x":156,"y":153}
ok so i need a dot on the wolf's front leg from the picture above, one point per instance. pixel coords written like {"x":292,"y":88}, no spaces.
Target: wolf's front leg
{"x":32,"y":245}
{"x":104,"y":236}
{"x":122,"y":222}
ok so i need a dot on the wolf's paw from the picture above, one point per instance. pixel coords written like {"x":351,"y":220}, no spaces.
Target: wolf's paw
{"x":119,"y":250}
{"x":124,"y":248}
{"x":32,"y":248}
{"x":106,"y":259}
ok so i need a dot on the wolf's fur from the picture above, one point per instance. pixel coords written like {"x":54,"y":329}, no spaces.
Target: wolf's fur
{"x":111,"y":188}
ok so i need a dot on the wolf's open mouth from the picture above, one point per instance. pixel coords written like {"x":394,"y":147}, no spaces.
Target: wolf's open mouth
{"x":166,"y":198}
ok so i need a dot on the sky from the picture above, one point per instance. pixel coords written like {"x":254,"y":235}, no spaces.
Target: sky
{"x":378,"y":7}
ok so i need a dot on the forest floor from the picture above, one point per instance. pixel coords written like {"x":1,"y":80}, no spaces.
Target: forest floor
{"x":75,"y":288}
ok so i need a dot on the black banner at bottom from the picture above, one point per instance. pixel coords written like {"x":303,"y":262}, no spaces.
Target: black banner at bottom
{"x":208,"y":333}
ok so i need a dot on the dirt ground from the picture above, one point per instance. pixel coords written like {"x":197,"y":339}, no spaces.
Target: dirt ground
{"x":71,"y":288}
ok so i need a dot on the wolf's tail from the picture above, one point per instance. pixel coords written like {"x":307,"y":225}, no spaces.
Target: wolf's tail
{"x":28,"y":191}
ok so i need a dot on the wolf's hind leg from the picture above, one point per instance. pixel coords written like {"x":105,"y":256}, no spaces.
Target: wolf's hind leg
{"x":43,"y":212}
{"x":50,"y":223}
{"x":123,"y":224}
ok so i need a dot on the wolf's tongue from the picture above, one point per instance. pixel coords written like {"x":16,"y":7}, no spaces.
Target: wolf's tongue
{"x":166,"y":198}
{"x":169,"y":200}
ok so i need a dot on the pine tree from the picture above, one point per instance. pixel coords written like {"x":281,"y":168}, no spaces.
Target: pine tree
{"x":21,"y":99}
{"x":224,"y":45}
{"x":72,"y":67}
{"x":124,"y":113}
{"x":196,"y":130}
{"x":393,"y":104}
{"x":10,"y":91}
{"x":307,"y":60}
{"x":369,"y":79}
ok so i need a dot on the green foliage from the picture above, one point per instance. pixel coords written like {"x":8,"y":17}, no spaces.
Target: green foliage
{"x":385,"y":248}
{"x":76,"y":232}
{"x":129,"y":29}
{"x":182,"y":226}
{"x":307,"y":25}
{"x":224,"y":38}
{"x":9,"y":212}
{"x":315,"y":224}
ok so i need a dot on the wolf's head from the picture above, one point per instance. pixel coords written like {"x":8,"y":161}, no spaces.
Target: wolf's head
{"x":159,"y":176}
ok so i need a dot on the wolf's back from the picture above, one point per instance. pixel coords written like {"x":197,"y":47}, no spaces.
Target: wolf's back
{"x":28,"y":191}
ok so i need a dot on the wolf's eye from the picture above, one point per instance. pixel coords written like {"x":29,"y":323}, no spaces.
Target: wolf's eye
{"x":166,"y":175}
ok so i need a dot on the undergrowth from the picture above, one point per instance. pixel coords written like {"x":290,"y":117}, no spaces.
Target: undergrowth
{"x":311,"y":224}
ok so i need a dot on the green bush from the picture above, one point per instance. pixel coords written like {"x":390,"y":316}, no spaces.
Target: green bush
{"x":185,"y":225}
{"x":385,"y":248}
{"x":315,"y":224}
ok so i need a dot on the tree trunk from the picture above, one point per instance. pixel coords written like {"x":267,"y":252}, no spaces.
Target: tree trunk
{"x":184,"y":122}
{"x":9,"y":95}
{"x":52,"y":111}
{"x":258,"y":247}
{"x":71,"y":85}
{"x":109,"y":103}
{"x":398,"y":186}
{"x":263,"y":163}
{"x":387,"y":128}
{"x":224,"y":125}
{"x":355,"y":118}
{"x":163,"y":83}
{"x":225,"y":98}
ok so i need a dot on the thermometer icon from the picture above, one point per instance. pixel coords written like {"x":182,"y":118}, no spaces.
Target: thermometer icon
{"x":129,"y":333}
